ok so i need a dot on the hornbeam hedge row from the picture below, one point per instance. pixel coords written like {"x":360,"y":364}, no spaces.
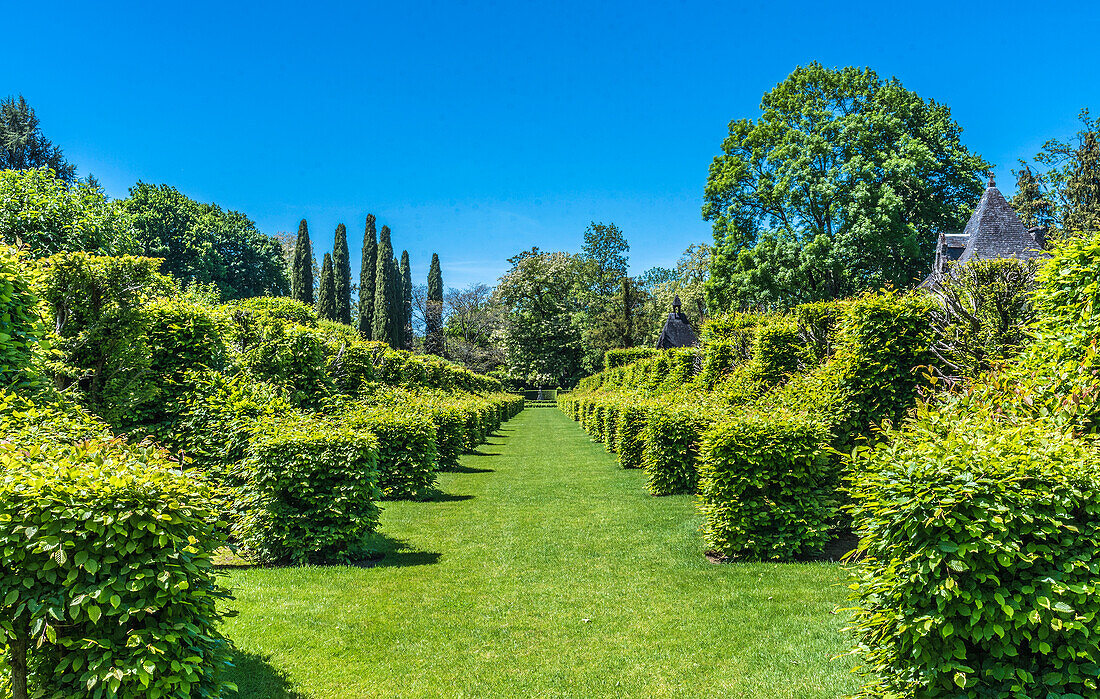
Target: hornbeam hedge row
{"x":977,"y":505}
{"x":146,"y":426}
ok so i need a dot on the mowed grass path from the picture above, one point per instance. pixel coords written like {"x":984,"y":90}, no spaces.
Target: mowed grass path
{"x":541,"y":570}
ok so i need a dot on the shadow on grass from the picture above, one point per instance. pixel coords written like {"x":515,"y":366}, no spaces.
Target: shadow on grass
{"x":256,"y":678}
{"x":465,"y":469}
{"x":440,"y":496}
{"x":478,"y":452}
{"x":389,"y":552}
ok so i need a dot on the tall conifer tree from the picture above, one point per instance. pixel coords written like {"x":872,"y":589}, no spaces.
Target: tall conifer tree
{"x":326,"y":291}
{"x":366,"y":279}
{"x":301,"y":273}
{"x":397,"y":325}
{"x":382,"y":323}
{"x":341,"y":270}
{"x":406,"y":301}
{"x":433,"y":320}
{"x":1082,"y":191}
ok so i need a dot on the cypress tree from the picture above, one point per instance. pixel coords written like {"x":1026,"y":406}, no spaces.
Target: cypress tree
{"x":366,"y":279}
{"x":382,"y":323}
{"x":433,"y":321}
{"x":406,"y":301}
{"x":397,"y":321}
{"x":301,"y":274}
{"x":326,"y":291}
{"x":341,"y":271}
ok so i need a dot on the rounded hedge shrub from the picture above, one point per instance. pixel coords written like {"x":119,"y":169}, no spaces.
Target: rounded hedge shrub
{"x":106,"y":574}
{"x":980,"y":560}
{"x":311,"y":493}
{"x":673,"y":434}
{"x":408,"y":457}
{"x":20,"y":328}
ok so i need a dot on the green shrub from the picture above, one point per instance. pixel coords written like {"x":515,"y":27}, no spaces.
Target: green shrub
{"x":778,"y":349}
{"x":673,"y":434}
{"x":621,"y":357}
{"x":26,"y":423}
{"x":980,"y":560}
{"x":630,"y":433}
{"x":817,"y":327}
{"x":107,"y":577}
{"x":286,"y":354}
{"x":312,"y":491}
{"x":408,"y":456}
{"x":20,"y":327}
{"x":281,"y":307}
{"x":767,"y":486}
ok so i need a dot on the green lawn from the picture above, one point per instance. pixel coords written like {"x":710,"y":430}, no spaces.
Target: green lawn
{"x":541,"y":570}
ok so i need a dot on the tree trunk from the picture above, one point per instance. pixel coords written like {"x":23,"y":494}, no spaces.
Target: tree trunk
{"x":17,"y":660}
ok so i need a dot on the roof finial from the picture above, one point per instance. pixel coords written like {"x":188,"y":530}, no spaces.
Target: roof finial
{"x":992,"y":183}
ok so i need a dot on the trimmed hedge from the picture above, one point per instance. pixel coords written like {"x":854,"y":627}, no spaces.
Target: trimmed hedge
{"x":311,"y":493}
{"x":106,"y":573}
{"x":767,"y":486}
{"x":408,"y":456}
{"x":621,"y":357}
{"x":673,"y":435}
{"x":20,"y":328}
{"x":630,"y":434}
{"x":980,"y":560}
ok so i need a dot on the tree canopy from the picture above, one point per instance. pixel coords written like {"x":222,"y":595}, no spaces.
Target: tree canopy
{"x":839,"y":186}
{"x":341,"y":269}
{"x":367,"y":268}
{"x":24,"y":146}
{"x":301,"y":274}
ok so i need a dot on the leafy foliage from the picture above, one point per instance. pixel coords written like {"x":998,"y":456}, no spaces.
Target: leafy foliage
{"x":341,"y":269}
{"x":23,"y":146}
{"x":21,"y":330}
{"x":326,"y":291}
{"x":433,"y":318}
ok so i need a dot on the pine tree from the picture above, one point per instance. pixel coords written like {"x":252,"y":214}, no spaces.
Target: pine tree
{"x":366,"y":279}
{"x":341,"y":270}
{"x":326,"y":291}
{"x":433,"y":320}
{"x":1082,"y":192}
{"x":406,"y":301}
{"x":301,"y":274}
{"x":1030,"y":203}
{"x":382,"y":322}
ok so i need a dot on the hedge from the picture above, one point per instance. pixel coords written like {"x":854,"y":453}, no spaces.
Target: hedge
{"x":311,"y":493}
{"x":630,"y":433}
{"x":21,"y":329}
{"x":980,"y":565}
{"x":673,"y":434}
{"x":621,"y":357}
{"x":408,"y":456}
{"x":107,"y":579}
{"x":767,"y":487}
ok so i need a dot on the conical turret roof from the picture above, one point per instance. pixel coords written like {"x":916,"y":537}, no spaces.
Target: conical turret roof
{"x":994,"y":230}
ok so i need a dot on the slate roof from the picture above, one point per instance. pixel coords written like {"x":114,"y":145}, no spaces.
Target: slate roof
{"x":677,"y":333}
{"x":994,"y":230}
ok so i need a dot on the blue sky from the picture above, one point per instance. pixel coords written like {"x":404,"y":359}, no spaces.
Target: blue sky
{"x":477,"y":130}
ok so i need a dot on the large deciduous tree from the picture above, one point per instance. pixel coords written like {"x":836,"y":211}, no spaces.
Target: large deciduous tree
{"x":326,"y":291}
{"x":341,"y":270}
{"x":406,"y":301}
{"x":366,"y":279}
{"x":473,"y":326}
{"x":23,"y":145}
{"x":301,"y":275}
{"x":433,"y":312}
{"x":840,"y":185}
{"x":382,"y":323}
{"x":602,"y":265}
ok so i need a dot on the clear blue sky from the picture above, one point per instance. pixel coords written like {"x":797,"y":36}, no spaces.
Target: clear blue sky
{"x":477,"y":130}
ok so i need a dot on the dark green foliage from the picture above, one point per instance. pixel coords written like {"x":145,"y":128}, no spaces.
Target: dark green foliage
{"x":367,"y":280}
{"x":384,"y":309}
{"x":433,"y":317}
{"x":312,"y":491}
{"x":673,"y":434}
{"x":201,"y":243}
{"x":979,"y":567}
{"x":397,"y":306}
{"x":767,"y":486}
{"x":326,"y":291}
{"x":983,"y":314}
{"x":20,"y":327}
{"x":1030,"y":202}
{"x":406,"y":301}
{"x":341,"y":269}
{"x":408,"y":456}
{"x":621,"y":357}
{"x":301,"y":272}
{"x":46,"y":215}
{"x":23,"y":146}
{"x":106,"y":575}
{"x":837,"y":188}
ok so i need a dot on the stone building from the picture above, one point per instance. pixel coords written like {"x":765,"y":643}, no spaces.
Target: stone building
{"x":677,"y":331}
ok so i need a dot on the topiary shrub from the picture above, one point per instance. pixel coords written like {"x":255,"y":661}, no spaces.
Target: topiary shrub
{"x":778,"y":349}
{"x":767,"y":487}
{"x":980,"y":560}
{"x":817,"y":327}
{"x":630,"y":433}
{"x":621,"y":357}
{"x":286,"y":354}
{"x":281,"y":307}
{"x":408,"y":457}
{"x":106,"y":573}
{"x":311,"y":493}
{"x":673,"y":434}
{"x":20,"y":327}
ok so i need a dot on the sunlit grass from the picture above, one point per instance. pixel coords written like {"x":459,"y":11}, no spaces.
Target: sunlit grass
{"x":542,"y":570}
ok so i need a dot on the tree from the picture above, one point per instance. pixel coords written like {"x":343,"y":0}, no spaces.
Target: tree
{"x":474,"y":326}
{"x":44,"y":215}
{"x":1030,"y":202}
{"x":604,"y":256}
{"x":203,"y":243}
{"x":382,"y":323}
{"x":366,"y":279}
{"x":688,"y":281}
{"x":341,"y":269}
{"x":406,"y":302}
{"x":326,"y":291}
{"x":301,"y":277}
{"x":542,"y":343}
{"x":396,"y":301}
{"x":23,"y":146}
{"x":839,"y":186}
{"x":433,"y":312}
{"x":1073,"y":177}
